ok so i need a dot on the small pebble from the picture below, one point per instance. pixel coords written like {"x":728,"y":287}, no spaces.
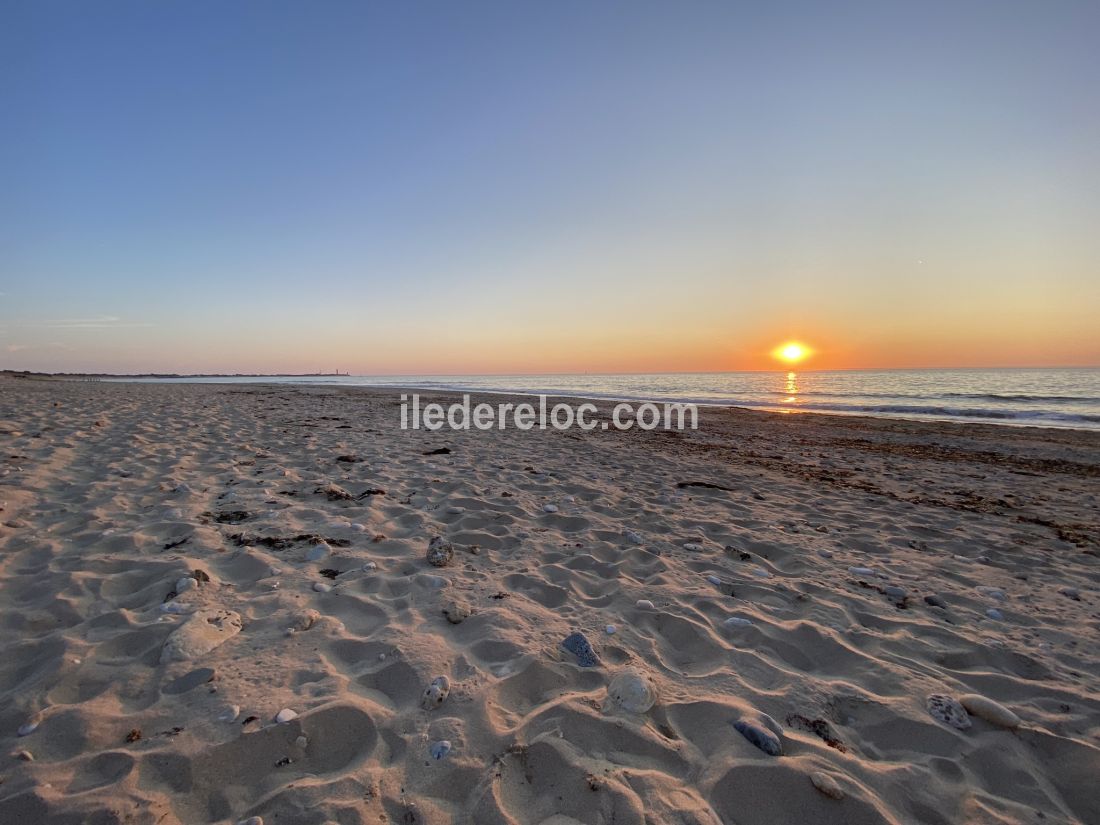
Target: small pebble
{"x":577,"y":644}
{"x":230,"y":714}
{"x":936,"y":601}
{"x":861,"y":571}
{"x":435,"y":693}
{"x":550,"y":508}
{"x":633,"y":537}
{"x":184,"y":584}
{"x":440,"y":749}
{"x":286,"y":715}
{"x":693,"y":547}
{"x":947,"y":710}
{"x":992,"y":712}
{"x":992,"y":592}
{"x":737,"y":621}
{"x":714,"y":580}
{"x":370,"y":565}
{"x":454,"y":511}
{"x":895,"y":592}
{"x":644,"y":604}
{"x":995,"y":614}
{"x":1071,"y":593}
{"x":759,"y":736}
{"x":252,"y":820}
{"x":827,"y":785}
{"x":301,"y":742}
{"x":26,"y":756}
{"x":825,"y":554}
{"x":610,"y":630}
{"x":322,"y":587}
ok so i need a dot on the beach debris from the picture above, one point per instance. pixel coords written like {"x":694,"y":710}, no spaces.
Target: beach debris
{"x":993,"y":712}
{"x":737,"y":621}
{"x":203,"y":631}
{"x":286,"y":715}
{"x":318,"y":551}
{"x":25,"y":756}
{"x":435,"y":693}
{"x":644,"y":604}
{"x":550,"y":508}
{"x":577,"y":644}
{"x":632,"y":691}
{"x":440,"y":552}
{"x":706,"y":485}
{"x":457,"y":611}
{"x":439,"y":451}
{"x":440,"y":749}
{"x":827,"y":785}
{"x":134,"y":735}
{"x":230,"y":714}
{"x":348,"y":459}
{"x":334,"y":492}
{"x":759,"y":734}
{"x":948,"y":710}
{"x":322,"y":587}
{"x":27,"y":728}
{"x":819,"y":728}
{"x":329,"y":572}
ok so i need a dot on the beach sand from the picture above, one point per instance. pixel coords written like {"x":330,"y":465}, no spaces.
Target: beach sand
{"x":821,"y":537}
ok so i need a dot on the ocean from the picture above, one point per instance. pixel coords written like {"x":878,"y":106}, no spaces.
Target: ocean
{"x":1038,"y":397}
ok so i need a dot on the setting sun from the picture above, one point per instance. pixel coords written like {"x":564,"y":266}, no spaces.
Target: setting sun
{"x":792,"y":352}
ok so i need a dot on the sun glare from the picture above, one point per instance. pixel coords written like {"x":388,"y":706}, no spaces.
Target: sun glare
{"x":791,"y":352}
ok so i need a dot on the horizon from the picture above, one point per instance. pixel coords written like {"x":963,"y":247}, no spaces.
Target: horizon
{"x":195,"y":188}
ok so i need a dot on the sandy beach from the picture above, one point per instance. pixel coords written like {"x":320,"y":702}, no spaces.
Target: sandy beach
{"x":216,"y":603}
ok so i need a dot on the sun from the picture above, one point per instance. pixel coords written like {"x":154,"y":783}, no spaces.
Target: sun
{"x":792,"y":352}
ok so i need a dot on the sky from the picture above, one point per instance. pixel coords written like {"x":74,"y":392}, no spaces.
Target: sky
{"x":572,"y":186}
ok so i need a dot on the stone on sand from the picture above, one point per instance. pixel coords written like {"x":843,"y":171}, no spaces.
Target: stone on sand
{"x":200,"y":634}
{"x":759,"y":734}
{"x":993,"y":712}
{"x":435,"y":693}
{"x":440,"y":552}
{"x":286,"y":715}
{"x":827,"y":785}
{"x":948,"y":710}
{"x":577,"y":644}
{"x":632,"y":691}
{"x":456,"y":611}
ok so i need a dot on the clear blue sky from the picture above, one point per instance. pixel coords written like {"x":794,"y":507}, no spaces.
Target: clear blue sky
{"x":225,"y":186}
